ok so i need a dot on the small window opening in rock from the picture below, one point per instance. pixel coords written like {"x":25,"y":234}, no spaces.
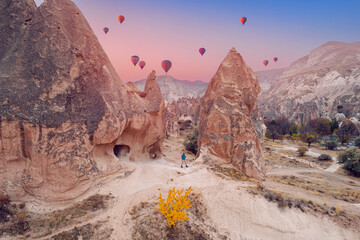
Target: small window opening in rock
{"x":340,"y":109}
{"x":121,"y":150}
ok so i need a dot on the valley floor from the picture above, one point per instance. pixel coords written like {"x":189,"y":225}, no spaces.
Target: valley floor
{"x":302,"y":198}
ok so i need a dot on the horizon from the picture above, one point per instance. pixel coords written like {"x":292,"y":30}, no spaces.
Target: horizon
{"x":164,"y":75}
{"x":283,"y":29}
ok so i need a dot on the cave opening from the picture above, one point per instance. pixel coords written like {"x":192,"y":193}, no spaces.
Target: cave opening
{"x":121,"y":150}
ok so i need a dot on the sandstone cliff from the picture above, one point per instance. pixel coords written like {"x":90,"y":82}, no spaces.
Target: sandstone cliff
{"x":226,"y":129}
{"x":64,"y":110}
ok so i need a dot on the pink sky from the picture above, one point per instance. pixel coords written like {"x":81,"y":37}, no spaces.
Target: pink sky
{"x":159,"y":30}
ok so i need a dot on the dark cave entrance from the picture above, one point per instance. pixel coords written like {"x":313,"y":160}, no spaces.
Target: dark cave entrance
{"x":121,"y":150}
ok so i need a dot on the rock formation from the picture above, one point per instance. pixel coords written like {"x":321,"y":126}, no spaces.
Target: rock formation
{"x":64,"y":110}
{"x":226,"y":129}
{"x":317,"y":85}
{"x":258,"y":120}
{"x":181,"y":110}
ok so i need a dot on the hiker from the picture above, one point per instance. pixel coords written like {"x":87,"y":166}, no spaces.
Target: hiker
{"x":183,"y":157}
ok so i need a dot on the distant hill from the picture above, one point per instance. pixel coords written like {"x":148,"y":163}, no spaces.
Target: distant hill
{"x":174,"y":89}
{"x":317,"y":84}
{"x":267,"y":77}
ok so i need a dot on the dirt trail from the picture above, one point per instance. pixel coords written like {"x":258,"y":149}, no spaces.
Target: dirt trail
{"x":311,"y":152}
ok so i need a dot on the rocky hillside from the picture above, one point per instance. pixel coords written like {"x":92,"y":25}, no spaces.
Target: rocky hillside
{"x":267,"y":77}
{"x":64,"y":110}
{"x":317,"y":85}
{"x":173,"y":89}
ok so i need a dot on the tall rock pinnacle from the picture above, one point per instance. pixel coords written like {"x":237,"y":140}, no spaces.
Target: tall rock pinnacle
{"x":226,"y":129}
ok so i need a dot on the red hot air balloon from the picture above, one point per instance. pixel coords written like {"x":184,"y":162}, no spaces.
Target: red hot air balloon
{"x":202,"y":51}
{"x":134,"y":60}
{"x":142,"y":64}
{"x":166,"y":65}
{"x":243,"y":20}
{"x":265,"y":62}
{"x":275,"y":59}
{"x":105,"y":29}
{"x":121,"y":18}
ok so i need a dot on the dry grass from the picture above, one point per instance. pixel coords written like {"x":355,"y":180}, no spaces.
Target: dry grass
{"x":285,"y":200}
{"x":34,"y":225}
{"x":96,"y":231}
{"x":150,"y":224}
{"x":347,"y":194}
{"x":231,"y":173}
{"x":275,"y":161}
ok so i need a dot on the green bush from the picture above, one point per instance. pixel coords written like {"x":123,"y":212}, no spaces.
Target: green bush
{"x":324,"y":157}
{"x":351,"y":161}
{"x":190,"y":142}
{"x":346,"y":155}
{"x":302,"y":151}
{"x":357,"y":142}
{"x":331,"y":145}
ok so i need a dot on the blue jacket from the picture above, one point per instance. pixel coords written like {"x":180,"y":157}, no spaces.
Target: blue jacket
{"x":183,"y":156}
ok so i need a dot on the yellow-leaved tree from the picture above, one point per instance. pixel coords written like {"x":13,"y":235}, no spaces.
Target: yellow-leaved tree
{"x":175,"y":206}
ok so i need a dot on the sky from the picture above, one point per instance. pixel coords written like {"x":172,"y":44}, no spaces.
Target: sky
{"x":157,"y":30}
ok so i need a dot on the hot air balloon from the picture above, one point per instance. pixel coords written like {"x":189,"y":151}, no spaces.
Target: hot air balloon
{"x":202,"y":51}
{"x":265,"y":62}
{"x":275,"y":59}
{"x":105,"y":29}
{"x":121,"y":18}
{"x":243,"y":20}
{"x":166,"y":65}
{"x":142,"y":64}
{"x":134,"y":60}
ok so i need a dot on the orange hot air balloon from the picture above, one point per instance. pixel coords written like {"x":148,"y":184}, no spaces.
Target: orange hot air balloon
{"x":121,"y":18}
{"x":202,"y":51}
{"x":243,"y":20}
{"x":166,"y":65}
{"x":275,"y":59}
{"x":265,"y":62}
{"x":134,"y":60}
{"x":141,"y":64}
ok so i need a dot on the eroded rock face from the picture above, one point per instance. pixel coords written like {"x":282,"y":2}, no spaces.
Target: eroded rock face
{"x":226,"y":129}
{"x":63,"y":107}
{"x":258,"y":120}
{"x":146,"y":131}
{"x":319,"y":84}
{"x":181,"y":110}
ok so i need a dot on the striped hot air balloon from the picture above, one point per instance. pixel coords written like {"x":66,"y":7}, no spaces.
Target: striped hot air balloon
{"x":275,"y":59}
{"x":134,"y":60}
{"x":202,"y":51}
{"x":105,"y":29}
{"x":121,"y":18}
{"x":142,"y":64}
{"x":265,"y":62}
{"x":166,"y":65}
